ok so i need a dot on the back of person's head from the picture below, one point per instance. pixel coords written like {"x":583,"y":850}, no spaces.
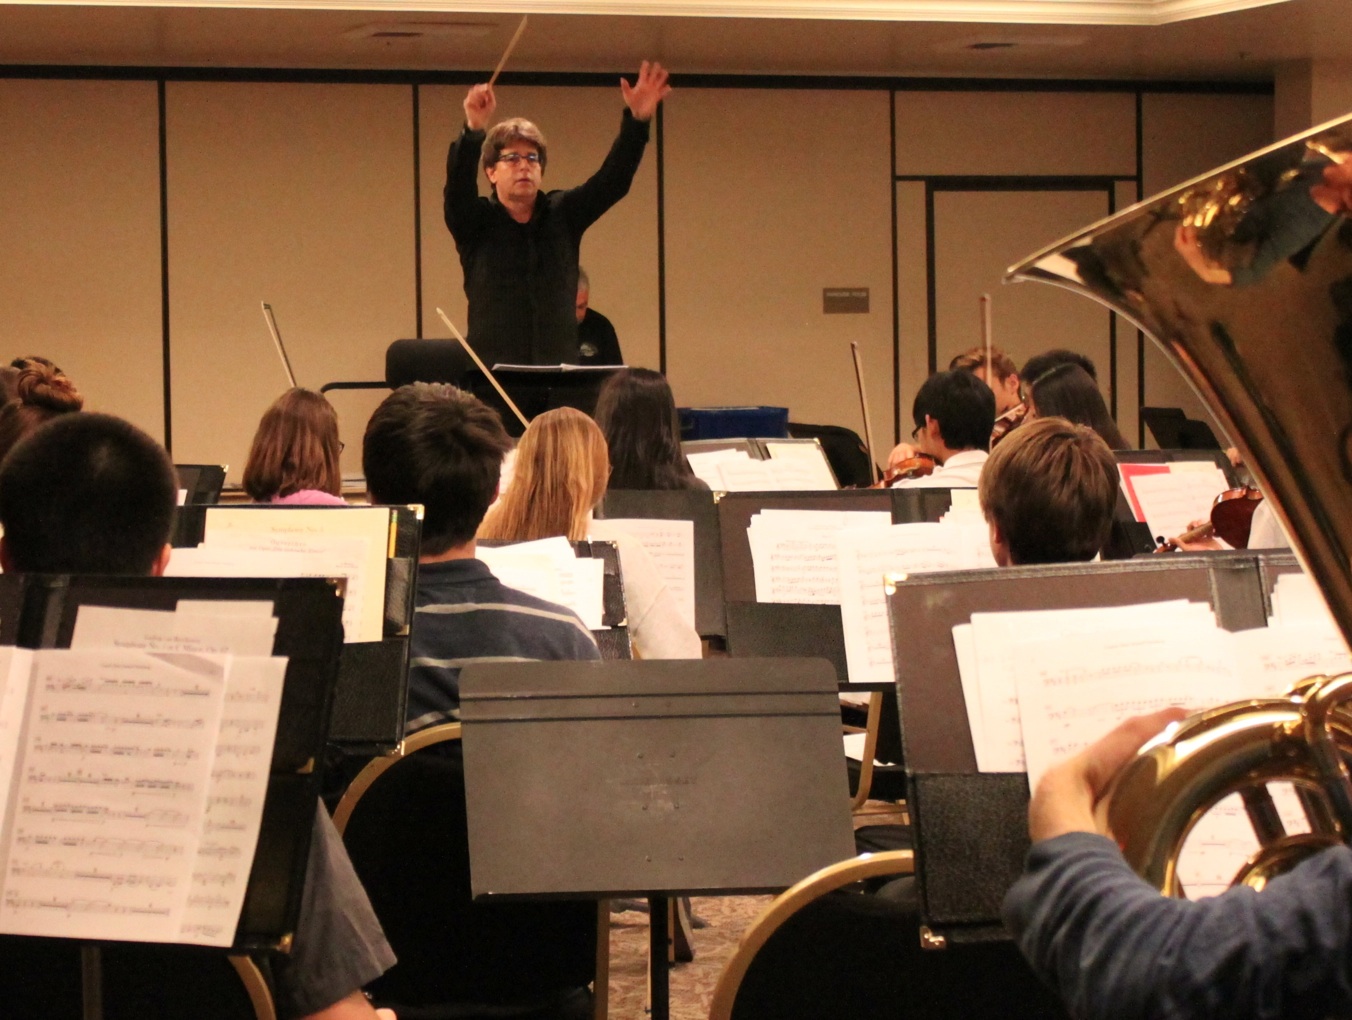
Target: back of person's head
{"x":559,"y":476}
{"x":1040,"y":363}
{"x":1067,"y":391}
{"x":637,"y":415}
{"x":87,"y":494}
{"x":975,"y":360}
{"x":1048,"y":491}
{"x":433,"y":444}
{"x":962,"y":404}
{"x":41,"y":392}
{"x":504,"y":133}
{"x":295,"y":448}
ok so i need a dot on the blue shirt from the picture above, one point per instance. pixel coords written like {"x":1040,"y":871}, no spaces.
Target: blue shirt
{"x":1116,"y":949}
{"x":463,"y":615}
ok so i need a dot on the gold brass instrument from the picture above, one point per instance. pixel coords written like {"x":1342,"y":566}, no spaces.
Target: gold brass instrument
{"x":1244,"y":277}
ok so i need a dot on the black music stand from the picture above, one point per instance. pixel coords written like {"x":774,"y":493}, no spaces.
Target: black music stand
{"x":539,"y":388}
{"x":962,"y":880}
{"x":371,"y":696}
{"x":599,"y":779}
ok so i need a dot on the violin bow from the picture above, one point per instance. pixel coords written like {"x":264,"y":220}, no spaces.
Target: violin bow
{"x":863,"y":406}
{"x":484,"y":369}
{"x":986,"y":337}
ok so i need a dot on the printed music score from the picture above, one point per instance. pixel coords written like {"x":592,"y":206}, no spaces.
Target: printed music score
{"x":133,"y":769}
{"x":738,"y":471}
{"x":670,"y":544}
{"x":795,"y":553}
{"x":550,"y":569}
{"x":1169,"y":497}
{"x":1041,"y":686}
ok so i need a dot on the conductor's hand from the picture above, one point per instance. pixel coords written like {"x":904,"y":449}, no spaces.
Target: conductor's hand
{"x":650,"y":89}
{"x":1065,"y":797}
{"x":479,"y":107}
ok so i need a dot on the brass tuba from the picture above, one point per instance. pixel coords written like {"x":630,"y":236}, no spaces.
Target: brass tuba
{"x":1244,"y":277}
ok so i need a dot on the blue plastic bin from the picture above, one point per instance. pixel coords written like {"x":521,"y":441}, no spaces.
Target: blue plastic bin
{"x":734,"y":422}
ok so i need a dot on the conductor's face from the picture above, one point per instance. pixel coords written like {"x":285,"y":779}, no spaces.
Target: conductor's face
{"x":516,"y":174}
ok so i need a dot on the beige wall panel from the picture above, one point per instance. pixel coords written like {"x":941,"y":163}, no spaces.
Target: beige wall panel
{"x":620,"y":249}
{"x":301,"y":195}
{"x":1016,"y":133}
{"x":977,"y":236}
{"x":757,"y":224}
{"x":912,"y":299}
{"x":80,"y":238}
{"x":1186,"y":135}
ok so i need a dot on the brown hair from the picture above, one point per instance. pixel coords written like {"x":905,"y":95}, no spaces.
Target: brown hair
{"x":41,"y":392}
{"x":295,"y":448}
{"x":505,"y":133}
{"x":560,"y":474}
{"x":1050,"y":487}
{"x":971,"y":361}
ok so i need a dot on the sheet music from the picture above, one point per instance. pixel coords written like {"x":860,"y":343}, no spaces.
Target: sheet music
{"x":1173,"y":500}
{"x":809,"y":455}
{"x":1274,"y":658}
{"x":794,"y":553}
{"x":323,"y":533}
{"x":786,"y":475}
{"x":671,"y":544}
{"x":1297,"y":599}
{"x":551,"y":567}
{"x":964,"y":647}
{"x":16,"y":666}
{"x":707,"y":465}
{"x":105,"y":824}
{"x":865,"y":555}
{"x":995,"y":635}
{"x":239,"y":776}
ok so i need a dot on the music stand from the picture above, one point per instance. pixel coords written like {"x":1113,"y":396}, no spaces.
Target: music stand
{"x":540,"y":388}
{"x":663,"y":777}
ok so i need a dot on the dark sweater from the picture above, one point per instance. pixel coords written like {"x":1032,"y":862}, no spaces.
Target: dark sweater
{"x":521,"y":278}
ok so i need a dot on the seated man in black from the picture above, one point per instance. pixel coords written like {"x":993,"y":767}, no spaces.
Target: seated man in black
{"x":93,"y":494}
{"x":435,"y":445}
{"x":597,"y":343}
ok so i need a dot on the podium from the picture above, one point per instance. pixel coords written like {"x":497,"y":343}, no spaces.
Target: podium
{"x":652,"y":778}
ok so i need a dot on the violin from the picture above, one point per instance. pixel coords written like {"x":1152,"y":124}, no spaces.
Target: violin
{"x":922,"y":465}
{"x":1231,"y":519}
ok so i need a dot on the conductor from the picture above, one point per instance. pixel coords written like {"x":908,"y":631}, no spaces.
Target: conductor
{"x":519,"y":247}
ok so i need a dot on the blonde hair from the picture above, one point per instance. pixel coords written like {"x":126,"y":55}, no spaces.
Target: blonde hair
{"x":295,"y":448}
{"x":561,"y":471}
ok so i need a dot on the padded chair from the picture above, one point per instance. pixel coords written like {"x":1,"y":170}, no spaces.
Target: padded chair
{"x":403,"y":822}
{"x":42,"y":978}
{"x":820,"y":953}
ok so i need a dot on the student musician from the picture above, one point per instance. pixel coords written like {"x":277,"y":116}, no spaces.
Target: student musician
{"x":90,"y":493}
{"x":560,"y":475}
{"x":597,"y":343}
{"x":1048,"y":493}
{"x":294,"y":457}
{"x":519,"y":247}
{"x":1067,"y":391}
{"x":954,"y":413}
{"x":1002,"y":376}
{"x":637,"y":414}
{"x":37,"y":391}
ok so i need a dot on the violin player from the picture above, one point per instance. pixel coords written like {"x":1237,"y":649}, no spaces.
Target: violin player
{"x":1002,"y":376}
{"x":954,"y":413}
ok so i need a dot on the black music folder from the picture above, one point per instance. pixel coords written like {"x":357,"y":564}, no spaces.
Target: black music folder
{"x":971,"y":831}
{"x":370,"y":702}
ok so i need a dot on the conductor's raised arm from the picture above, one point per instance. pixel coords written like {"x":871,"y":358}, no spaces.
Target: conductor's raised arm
{"x":643,"y":96}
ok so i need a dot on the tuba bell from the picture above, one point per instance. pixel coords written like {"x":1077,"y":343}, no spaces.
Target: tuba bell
{"x":1243,"y":276}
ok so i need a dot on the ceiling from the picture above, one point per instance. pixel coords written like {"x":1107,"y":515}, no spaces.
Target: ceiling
{"x":802,"y":39}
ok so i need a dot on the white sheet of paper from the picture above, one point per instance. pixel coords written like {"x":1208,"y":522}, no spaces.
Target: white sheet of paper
{"x":151,"y":630}
{"x":994,"y":637}
{"x":534,"y":573}
{"x":794,"y":553}
{"x":1297,"y":599}
{"x":671,"y":544}
{"x":964,"y":647}
{"x":772,"y":476}
{"x":16,"y":669}
{"x":810,"y":455}
{"x":866,"y":555}
{"x":1174,"y":499}
{"x":550,"y":569}
{"x":106,"y":821}
{"x":708,"y":465}
{"x":332,"y":535}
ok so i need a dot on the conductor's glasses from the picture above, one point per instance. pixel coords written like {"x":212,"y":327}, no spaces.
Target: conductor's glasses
{"x":513,"y":158}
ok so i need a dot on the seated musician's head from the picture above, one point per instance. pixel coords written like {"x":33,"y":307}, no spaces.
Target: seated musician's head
{"x":953,"y":411}
{"x":1003,"y":378}
{"x":1048,"y":493}
{"x":637,"y":414}
{"x":35,"y":391}
{"x":433,"y":444}
{"x":561,"y":471}
{"x":1067,"y":391}
{"x":1039,"y":364}
{"x":295,"y":450}
{"x":87,"y":494}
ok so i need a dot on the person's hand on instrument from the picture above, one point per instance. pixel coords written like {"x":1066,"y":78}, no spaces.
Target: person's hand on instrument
{"x":650,"y":89}
{"x":901,"y":452}
{"x":1066,"y":795}
{"x":479,"y":107}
